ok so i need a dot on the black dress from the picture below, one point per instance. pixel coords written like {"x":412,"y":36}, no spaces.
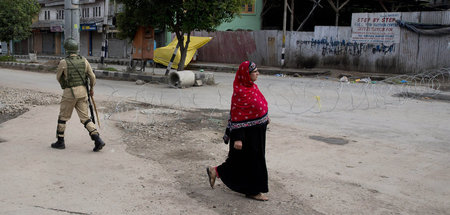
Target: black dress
{"x":245,"y":170}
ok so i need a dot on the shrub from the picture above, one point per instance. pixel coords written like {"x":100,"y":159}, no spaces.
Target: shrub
{"x":7,"y":58}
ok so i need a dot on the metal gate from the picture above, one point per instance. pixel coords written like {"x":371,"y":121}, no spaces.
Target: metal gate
{"x":48,"y":43}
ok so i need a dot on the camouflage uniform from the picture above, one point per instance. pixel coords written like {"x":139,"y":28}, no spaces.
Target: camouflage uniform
{"x":75,"y":93}
{"x":73,"y":73}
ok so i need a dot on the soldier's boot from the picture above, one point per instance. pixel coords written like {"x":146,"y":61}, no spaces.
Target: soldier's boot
{"x":98,"y":142}
{"x":59,"y":144}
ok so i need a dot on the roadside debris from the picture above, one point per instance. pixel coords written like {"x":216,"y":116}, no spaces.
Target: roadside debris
{"x":343,"y":79}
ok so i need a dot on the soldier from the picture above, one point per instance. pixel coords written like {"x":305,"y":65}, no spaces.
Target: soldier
{"x":72,"y":74}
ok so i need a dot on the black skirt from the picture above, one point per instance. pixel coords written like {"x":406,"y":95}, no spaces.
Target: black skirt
{"x":245,"y":170}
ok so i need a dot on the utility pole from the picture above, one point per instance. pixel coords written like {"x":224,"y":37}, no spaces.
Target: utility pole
{"x":104,"y":32}
{"x":72,"y":20}
{"x":283,"y":46}
{"x":292,"y":15}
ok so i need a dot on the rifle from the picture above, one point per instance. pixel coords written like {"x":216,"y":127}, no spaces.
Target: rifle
{"x":90,"y":103}
{"x":86,"y":83}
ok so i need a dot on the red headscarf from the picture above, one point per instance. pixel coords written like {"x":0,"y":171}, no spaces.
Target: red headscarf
{"x":247,"y":102}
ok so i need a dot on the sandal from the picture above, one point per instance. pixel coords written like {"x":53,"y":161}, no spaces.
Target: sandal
{"x":211,"y":177}
{"x":258,"y":197}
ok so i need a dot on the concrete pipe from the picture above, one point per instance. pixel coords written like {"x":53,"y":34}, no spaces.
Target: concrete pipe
{"x":182,"y":79}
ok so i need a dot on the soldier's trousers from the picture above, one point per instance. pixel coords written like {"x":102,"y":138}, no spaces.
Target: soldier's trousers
{"x":65,"y":112}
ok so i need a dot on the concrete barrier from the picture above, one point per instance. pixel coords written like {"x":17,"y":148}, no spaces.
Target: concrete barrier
{"x":182,"y":79}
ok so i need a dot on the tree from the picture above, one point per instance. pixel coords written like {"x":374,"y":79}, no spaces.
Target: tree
{"x":16,"y":19}
{"x":178,"y":16}
{"x":336,"y":7}
{"x":327,"y":12}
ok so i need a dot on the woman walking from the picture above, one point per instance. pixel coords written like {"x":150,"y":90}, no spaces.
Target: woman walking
{"x":245,"y":170}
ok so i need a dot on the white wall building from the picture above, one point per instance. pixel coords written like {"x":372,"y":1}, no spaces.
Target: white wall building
{"x":95,"y":24}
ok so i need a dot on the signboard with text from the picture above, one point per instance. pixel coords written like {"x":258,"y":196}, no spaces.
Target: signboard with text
{"x":88,"y":27}
{"x":375,"y":28}
{"x":56,"y":28}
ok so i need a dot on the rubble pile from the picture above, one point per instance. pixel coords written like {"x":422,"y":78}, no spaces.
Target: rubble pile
{"x":14,"y":102}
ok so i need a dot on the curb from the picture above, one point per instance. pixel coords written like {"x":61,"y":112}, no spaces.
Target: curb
{"x":262,"y":70}
{"x":129,"y":76}
{"x":28,"y":66}
{"x":117,"y":61}
{"x":217,"y":67}
{"x":98,"y":73}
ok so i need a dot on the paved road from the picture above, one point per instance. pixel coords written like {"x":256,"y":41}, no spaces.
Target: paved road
{"x":325,"y":104}
{"x":406,"y":139}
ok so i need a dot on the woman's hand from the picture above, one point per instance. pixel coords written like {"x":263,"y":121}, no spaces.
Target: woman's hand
{"x":238,"y":144}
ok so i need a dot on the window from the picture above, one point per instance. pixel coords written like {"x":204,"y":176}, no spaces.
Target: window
{"x":85,"y":12}
{"x":46,"y":15}
{"x":248,"y":8}
{"x":60,"y":14}
{"x":97,"y":11}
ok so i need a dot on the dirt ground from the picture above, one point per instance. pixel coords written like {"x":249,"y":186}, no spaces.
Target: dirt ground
{"x":184,"y":142}
{"x":311,"y":170}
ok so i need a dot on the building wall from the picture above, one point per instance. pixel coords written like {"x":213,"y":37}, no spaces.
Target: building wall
{"x":330,"y":47}
{"x":50,"y":43}
{"x":118,"y":48}
{"x":44,"y":40}
{"x":246,"y":21}
{"x":3,"y":48}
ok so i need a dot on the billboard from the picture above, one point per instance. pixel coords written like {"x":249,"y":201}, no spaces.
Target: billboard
{"x":375,"y":28}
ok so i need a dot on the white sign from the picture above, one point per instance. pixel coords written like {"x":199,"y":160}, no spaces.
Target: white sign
{"x":375,"y":28}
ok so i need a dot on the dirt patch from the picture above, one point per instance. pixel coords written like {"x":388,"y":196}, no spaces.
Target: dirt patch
{"x":15,"y":102}
{"x":330,"y":140}
{"x":8,"y":116}
{"x":163,"y":133}
{"x":184,"y":142}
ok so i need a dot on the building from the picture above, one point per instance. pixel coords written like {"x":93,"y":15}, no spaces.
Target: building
{"x":48,"y":30}
{"x":250,"y":18}
{"x":96,"y":26}
{"x":2,"y":48}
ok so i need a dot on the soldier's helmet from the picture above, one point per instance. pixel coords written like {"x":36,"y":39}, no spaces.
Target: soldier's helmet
{"x":71,"y":46}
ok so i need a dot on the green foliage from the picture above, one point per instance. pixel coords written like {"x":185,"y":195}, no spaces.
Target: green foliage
{"x":110,"y":69}
{"x":177,"y":16}
{"x":7,"y":58}
{"x":16,"y":18}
